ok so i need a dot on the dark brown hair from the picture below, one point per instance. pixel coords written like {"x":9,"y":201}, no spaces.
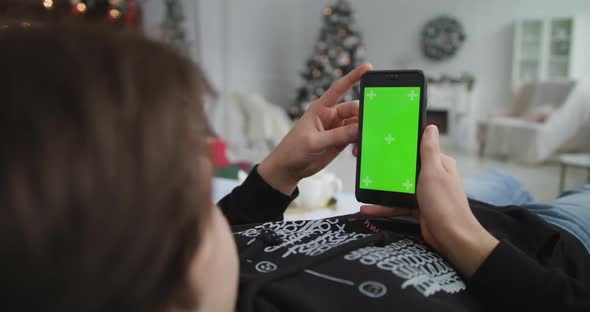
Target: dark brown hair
{"x":101,"y":195}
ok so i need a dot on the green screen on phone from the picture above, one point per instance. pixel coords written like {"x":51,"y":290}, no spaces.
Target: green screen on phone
{"x":390,"y":139}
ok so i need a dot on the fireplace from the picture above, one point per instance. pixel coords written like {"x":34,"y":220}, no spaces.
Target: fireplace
{"x":439,"y":118}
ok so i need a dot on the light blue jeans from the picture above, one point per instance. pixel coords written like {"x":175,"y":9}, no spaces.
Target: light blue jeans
{"x":570,"y":210}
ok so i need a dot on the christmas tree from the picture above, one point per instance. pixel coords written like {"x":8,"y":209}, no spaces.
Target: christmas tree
{"x":172,"y":27}
{"x":338,"y":51}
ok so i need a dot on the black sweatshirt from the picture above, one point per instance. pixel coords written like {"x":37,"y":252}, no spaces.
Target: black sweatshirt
{"x":354,"y":263}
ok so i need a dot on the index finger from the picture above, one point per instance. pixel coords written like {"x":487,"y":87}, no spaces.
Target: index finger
{"x":340,"y":87}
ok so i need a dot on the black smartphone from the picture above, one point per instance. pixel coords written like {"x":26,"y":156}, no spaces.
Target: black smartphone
{"x":391,"y":121}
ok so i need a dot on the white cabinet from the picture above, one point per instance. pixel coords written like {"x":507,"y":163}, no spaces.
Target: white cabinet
{"x":551,"y":48}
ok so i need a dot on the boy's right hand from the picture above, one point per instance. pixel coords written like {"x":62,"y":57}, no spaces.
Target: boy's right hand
{"x":317,"y":137}
{"x":446,"y":221}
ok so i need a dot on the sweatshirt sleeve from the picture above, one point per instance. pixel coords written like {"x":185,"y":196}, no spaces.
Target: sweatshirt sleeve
{"x":509,"y":278}
{"x":255,"y":201}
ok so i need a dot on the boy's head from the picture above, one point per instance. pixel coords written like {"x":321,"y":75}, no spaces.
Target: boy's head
{"x":104,"y":191}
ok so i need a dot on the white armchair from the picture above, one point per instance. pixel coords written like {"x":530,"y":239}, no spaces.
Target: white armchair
{"x":548,"y":117}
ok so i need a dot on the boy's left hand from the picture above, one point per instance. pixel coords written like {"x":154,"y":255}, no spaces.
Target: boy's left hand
{"x":317,"y":138}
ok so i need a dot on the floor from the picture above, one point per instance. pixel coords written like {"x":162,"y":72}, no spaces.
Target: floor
{"x":541,"y":180}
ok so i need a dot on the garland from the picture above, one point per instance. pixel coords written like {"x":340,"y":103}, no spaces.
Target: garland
{"x":113,"y":10}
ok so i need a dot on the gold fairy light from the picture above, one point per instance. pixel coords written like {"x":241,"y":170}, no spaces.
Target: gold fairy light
{"x":48,"y":4}
{"x":81,"y":7}
{"x":114,"y":13}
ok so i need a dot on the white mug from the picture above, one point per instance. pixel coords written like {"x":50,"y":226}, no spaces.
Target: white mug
{"x":316,"y":191}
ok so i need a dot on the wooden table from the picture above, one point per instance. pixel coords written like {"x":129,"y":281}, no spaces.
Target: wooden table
{"x":573,"y":160}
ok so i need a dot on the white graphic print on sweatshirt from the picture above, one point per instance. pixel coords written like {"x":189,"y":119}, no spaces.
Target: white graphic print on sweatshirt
{"x":422,"y":269}
{"x":410,"y":261}
{"x":323,"y":234}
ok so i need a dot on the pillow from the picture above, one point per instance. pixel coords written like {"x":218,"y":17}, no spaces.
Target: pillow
{"x":540,"y":113}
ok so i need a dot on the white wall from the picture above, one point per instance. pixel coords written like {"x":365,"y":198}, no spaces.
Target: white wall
{"x":261,"y":45}
{"x":264,"y":47}
{"x":153,"y":11}
{"x":246,"y":46}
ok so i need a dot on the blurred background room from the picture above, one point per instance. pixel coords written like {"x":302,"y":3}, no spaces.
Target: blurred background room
{"x":509,"y":80}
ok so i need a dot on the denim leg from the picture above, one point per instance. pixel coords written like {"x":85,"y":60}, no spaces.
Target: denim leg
{"x":496,"y":188}
{"x":570,"y":211}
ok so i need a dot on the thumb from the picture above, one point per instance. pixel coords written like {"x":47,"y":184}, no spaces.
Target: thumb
{"x":430,"y":148}
{"x":339,"y":136}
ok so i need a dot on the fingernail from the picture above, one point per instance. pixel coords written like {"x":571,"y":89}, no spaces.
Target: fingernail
{"x":432,"y":130}
{"x":354,"y":131}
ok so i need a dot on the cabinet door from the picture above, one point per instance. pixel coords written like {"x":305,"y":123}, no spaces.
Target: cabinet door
{"x":560,"y":48}
{"x":529,"y":59}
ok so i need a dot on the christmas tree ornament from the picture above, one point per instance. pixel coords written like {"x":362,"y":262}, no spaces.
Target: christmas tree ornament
{"x":344,"y":59}
{"x":360,"y":50}
{"x":342,"y":32}
{"x":351,"y":41}
{"x":295,"y":110}
{"x":316,"y":73}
